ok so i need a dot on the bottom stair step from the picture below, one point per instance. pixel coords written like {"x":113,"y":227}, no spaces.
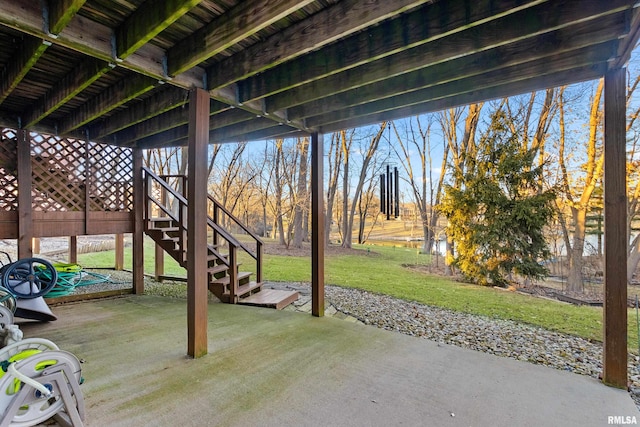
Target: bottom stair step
{"x":271,"y":298}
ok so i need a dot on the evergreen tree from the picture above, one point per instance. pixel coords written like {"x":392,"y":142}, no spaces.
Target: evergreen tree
{"x":497,"y":215}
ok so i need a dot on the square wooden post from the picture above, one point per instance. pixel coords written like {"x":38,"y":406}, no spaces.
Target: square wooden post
{"x":197,"y":223}
{"x":615,"y":230}
{"x":317,"y":225}
{"x":119,"y":261}
{"x":159,"y":264}
{"x":73,"y":249}
{"x":138,"y":223}
{"x":25,"y":218}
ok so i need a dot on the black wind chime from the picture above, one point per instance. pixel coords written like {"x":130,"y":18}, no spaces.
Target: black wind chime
{"x":390,"y":193}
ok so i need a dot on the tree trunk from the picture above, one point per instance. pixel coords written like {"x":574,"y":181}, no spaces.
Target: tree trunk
{"x":634,"y":258}
{"x":278,"y":194}
{"x":575,"y":282}
{"x":300,"y":209}
{"x":346,"y":230}
{"x":334,"y":160}
{"x":361,"y":227}
{"x":448,"y":271}
{"x":428,"y":237}
{"x":371,"y":150}
{"x":593,"y":172}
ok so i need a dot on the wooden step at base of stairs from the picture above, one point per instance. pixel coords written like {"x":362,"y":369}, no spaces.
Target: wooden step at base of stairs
{"x":271,"y":298}
{"x":249,"y":288}
{"x":222,"y":292}
{"x":242,"y":277}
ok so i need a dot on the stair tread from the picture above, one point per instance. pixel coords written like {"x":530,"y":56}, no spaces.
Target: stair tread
{"x":251,"y":286}
{"x":245,"y":289}
{"x":272,"y":298}
{"x":217,"y":269}
{"x":164,"y":229}
{"x":225,"y":280}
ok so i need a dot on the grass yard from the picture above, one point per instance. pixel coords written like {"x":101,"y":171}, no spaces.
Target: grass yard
{"x":379,"y":269}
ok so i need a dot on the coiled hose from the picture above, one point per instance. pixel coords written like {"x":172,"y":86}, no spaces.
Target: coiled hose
{"x":72,"y":276}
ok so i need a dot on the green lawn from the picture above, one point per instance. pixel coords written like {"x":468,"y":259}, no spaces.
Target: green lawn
{"x":379,"y":269}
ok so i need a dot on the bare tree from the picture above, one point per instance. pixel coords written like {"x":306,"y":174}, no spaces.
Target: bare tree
{"x":334,"y":167}
{"x":263,"y":164}
{"x":301,"y":208}
{"x":279,"y":224}
{"x":368,"y":202}
{"x":368,"y":153}
{"x":235,"y":177}
{"x":346,"y":144}
{"x":578,"y":189}
{"x":633,"y":178}
{"x":416,"y":139}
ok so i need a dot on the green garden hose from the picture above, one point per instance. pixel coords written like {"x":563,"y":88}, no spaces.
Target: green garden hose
{"x":72,"y":276}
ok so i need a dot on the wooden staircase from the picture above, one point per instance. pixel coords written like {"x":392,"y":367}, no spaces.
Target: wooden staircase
{"x":165,"y":222}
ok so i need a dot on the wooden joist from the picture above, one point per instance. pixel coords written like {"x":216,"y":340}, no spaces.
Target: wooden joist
{"x":244,"y":20}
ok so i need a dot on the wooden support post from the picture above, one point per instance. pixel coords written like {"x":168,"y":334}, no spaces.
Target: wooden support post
{"x":35,"y":245}
{"x":159,"y":268}
{"x":615,"y":230}
{"x":25,"y":219}
{"x":87,"y":186}
{"x":317,"y":225}
{"x":138,"y":223}
{"x":119,"y":251}
{"x":197,"y":276}
{"x":73,"y":249}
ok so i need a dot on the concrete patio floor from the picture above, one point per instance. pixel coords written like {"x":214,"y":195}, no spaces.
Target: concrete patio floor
{"x":281,"y":368}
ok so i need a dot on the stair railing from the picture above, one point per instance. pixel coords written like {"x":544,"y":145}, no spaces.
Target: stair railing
{"x":170,"y":197}
{"x":162,"y":205}
{"x":218,"y":216}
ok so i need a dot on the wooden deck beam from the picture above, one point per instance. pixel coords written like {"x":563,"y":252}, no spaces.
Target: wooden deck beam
{"x":197,"y":278}
{"x":27,"y":17}
{"x":114,"y":96}
{"x":61,"y":12}
{"x":157,"y":104}
{"x":149,"y":20}
{"x":428,"y":83}
{"x":465,"y":93}
{"x":457,"y":56}
{"x":615,"y":230}
{"x":320,"y":29}
{"x":81,"y":77}
{"x":246,"y":19}
{"x":28,"y":54}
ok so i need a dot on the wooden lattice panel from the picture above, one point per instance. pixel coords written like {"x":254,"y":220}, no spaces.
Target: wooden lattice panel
{"x":58,"y":173}
{"x":8,"y":170}
{"x":111,"y":178}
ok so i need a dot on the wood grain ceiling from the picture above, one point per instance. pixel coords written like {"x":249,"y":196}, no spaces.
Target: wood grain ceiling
{"x":119,"y":71}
